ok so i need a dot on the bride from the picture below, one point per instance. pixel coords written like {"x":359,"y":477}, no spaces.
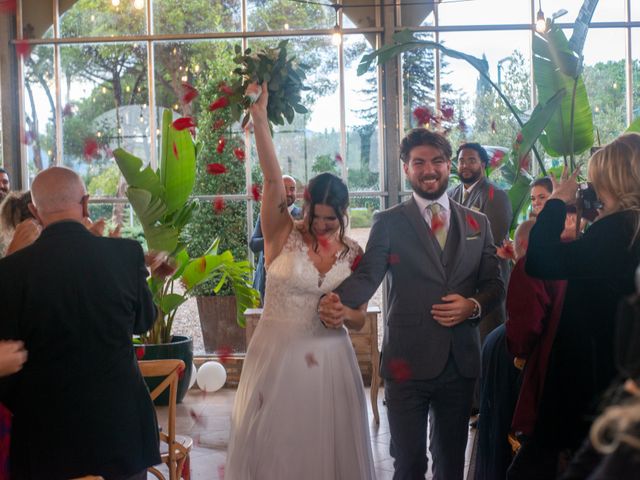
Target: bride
{"x":300,"y":410}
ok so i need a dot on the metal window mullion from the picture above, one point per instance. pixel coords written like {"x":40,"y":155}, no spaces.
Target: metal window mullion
{"x":629,"y":65}
{"x":342,"y":102}
{"x":151,"y":91}
{"x":58,"y":87}
{"x":248,"y":165}
{"x":20,"y":67}
{"x":437,"y":57}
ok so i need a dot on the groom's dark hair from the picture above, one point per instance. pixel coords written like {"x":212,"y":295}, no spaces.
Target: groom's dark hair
{"x":421,"y":136}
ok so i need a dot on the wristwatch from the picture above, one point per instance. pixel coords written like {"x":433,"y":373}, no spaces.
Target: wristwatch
{"x":476,"y":309}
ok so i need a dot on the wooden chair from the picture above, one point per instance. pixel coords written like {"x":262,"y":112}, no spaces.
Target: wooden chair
{"x":174,"y":449}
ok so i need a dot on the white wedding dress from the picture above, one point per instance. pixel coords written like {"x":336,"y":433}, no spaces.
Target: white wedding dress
{"x":300,"y":411}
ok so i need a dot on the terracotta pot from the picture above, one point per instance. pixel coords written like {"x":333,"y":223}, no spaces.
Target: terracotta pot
{"x":220,"y":329}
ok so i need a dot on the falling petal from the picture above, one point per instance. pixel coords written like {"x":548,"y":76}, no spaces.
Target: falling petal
{"x":393,"y":259}
{"x":423,"y":115}
{"x":23,"y":48}
{"x":356,"y":262}
{"x":462,"y":125}
{"x":506,"y":251}
{"x":216,"y":169}
{"x":221,"y":143}
{"x":519,"y":137}
{"x":175,"y":150}
{"x":218,"y":124}
{"x":400,"y":370}
{"x":306,"y":195}
{"x":198,"y":419}
{"x":491,"y":192}
{"x":338,"y":158}
{"x":90,"y":149}
{"x":224,"y":353}
{"x":182,"y":123}
{"x":8,"y":6}
{"x":256,"y":191}
{"x":472,"y":222}
{"x":221,"y":102}
{"x":181,"y":371}
{"x":239,"y":153}
{"x":496,"y":159}
{"x":524,"y":162}
{"x":311,"y":360}
{"x":218,"y":205}
{"x":226,"y":89}
{"x":67,"y":111}
{"x":139,"y":351}
{"x":447,"y":113}
{"x":189,"y":93}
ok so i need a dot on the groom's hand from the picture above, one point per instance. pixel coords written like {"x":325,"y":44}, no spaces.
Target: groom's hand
{"x":331,"y":311}
{"x":455,"y":310}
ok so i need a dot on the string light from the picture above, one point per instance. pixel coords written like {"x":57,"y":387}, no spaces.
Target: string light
{"x":138,"y":4}
{"x":336,"y":36}
{"x":541,"y":22}
{"x":115,"y":3}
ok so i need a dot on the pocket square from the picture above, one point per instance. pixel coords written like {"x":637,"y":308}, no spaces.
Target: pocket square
{"x":473,"y":236}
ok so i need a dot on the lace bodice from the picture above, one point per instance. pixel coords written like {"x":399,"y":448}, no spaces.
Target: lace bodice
{"x":294,"y":285}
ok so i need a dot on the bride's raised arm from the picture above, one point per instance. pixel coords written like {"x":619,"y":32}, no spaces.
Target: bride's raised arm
{"x":275,"y":220}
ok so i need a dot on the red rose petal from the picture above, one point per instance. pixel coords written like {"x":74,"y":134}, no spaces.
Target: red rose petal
{"x":356,"y":262}
{"x":23,"y":48}
{"x":175,"y":151}
{"x":491,"y":192}
{"x":311,"y":360}
{"x":239,"y":153}
{"x":221,"y":143}
{"x":90,"y":148}
{"x":339,"y":158}
{"x":423,"y":115}
{"x":472,"y":222}
{"x":182,"y":123}
{"x":181,"y":371}
{"x":393,"y":259}
{"x":139,"y":349}
{"x":67,"y":111}
{"x":216,"y":169}
{"x":496,"y":159}
{"x":519,"y":137}
{"x":447,"y":113}
{"x":221,"y":102}
{"x":218,"y":205}
{"x":462,"y":125}
{"x":524,"y":162}
{"x":224,"y":353}
{"x":226,"y":89}
{"x":400,"y":370}
{"x":218,"y":124}
{"x":256,"y":191}
{"x":189,"y":93}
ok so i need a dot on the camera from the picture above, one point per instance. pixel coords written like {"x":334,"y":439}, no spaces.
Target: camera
{"x":588,"y":201}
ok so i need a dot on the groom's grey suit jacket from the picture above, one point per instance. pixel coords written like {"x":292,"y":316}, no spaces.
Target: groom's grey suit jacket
{"x":419,"y":274}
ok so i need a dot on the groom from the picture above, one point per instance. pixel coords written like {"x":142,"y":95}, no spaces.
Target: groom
{"x":442,"y":275}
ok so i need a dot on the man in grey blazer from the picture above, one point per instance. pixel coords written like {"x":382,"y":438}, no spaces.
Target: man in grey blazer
{"x":442,"y":276}
{"x":476,"y":192}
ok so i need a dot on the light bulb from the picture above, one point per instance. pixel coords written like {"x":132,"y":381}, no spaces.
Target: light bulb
{"x":541,"y":22}
{"x":336,"y":38}
{"x":286,"y":26}
{"x":138,"y":4}
{"x":115,"y":3}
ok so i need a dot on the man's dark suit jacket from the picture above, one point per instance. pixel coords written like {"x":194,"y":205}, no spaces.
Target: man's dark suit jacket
{"x":402,"y":247}
{"x":256,"y":244}
{"x":80,"y":404}
{"x":487,"y":198}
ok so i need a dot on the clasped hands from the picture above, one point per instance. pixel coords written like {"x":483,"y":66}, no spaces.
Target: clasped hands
{"x":331,"y":311}
{"x":455,"y":310}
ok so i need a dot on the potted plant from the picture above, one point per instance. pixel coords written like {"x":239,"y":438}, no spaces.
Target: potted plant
{"x":162,"y":203}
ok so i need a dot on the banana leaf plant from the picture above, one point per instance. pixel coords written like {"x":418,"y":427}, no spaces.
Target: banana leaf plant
{"x":162,"y":202}
{"x":562,"y":121}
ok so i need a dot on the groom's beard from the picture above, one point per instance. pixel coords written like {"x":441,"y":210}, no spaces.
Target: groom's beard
{"x":432,"y":194}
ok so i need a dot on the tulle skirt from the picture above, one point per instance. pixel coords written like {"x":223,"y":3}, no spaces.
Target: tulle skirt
{"x":300,"y":410}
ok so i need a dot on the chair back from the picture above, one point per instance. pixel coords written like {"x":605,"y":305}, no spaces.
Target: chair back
{"x":170,"y":370}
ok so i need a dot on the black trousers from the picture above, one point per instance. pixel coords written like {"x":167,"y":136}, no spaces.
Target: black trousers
{"x":443,"y":401}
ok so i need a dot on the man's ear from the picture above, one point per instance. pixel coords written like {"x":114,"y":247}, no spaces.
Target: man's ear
{"x":85,"y":206}
{"x":34,"y":212}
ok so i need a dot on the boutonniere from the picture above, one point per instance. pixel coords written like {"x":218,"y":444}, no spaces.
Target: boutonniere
{"x":356,"y":262}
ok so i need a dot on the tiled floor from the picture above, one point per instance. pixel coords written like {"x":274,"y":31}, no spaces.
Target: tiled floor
{"x":206,"y":419}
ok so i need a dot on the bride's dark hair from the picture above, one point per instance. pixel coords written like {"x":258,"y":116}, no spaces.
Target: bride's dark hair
{"x":327,"y":189}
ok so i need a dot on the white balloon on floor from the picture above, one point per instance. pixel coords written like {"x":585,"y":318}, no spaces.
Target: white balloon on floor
{"x":211,"y":376}
{"x":192,"y":380}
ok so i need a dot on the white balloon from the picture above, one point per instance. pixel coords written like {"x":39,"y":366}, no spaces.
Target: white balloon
{"x":192,"y":380}
{"x":211,"y":376}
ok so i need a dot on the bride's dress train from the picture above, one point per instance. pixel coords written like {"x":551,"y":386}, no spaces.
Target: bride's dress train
{"x":300,"y":411}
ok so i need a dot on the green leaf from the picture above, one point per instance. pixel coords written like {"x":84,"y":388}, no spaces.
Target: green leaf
{"x":540,"y":118}
{"x":519,"y":196}
{"x":131,"y":168}
{"x":634,"y":127}
{"x":178,"y":174}
{"x":171,"y":301}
